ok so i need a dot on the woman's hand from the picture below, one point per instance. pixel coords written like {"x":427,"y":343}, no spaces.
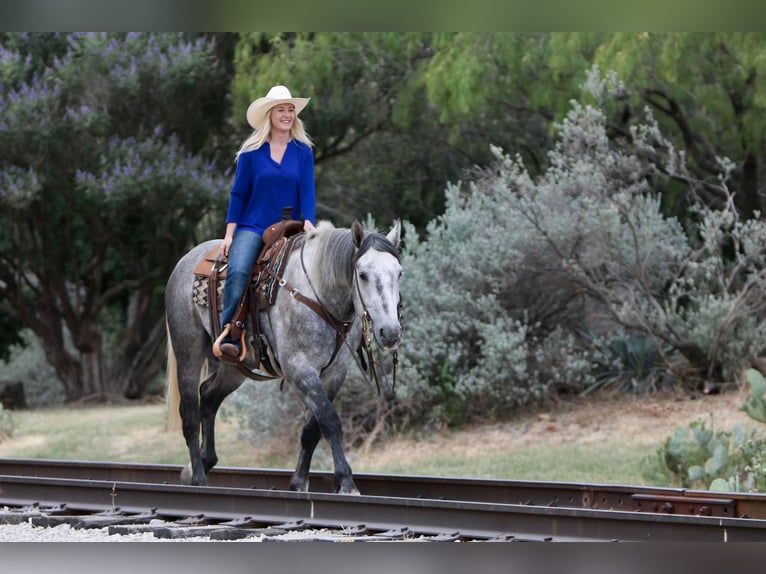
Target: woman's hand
{"x":227,"y":239}
{"x":225,"y":246}
{"x":308,"y":226}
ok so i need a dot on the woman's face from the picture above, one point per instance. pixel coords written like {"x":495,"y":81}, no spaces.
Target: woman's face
{"x":282,"y":117}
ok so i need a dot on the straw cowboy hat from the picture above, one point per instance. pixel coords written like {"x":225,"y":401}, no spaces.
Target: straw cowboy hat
{"x":277,"y":95}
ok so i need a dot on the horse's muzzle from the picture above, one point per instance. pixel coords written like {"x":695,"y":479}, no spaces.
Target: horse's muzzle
{"x":389,"y":337}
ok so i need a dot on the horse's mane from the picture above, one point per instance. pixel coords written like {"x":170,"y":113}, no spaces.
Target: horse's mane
{"x":378,"y":242}
{"x":333,"y":257}
{"x":336,"y":255}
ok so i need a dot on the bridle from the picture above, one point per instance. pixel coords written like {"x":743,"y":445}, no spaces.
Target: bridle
{"x":342,"y":328}
{"x":368,"y":337}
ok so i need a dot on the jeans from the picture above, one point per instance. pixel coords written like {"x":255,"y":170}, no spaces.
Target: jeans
{"x":245,"y":247}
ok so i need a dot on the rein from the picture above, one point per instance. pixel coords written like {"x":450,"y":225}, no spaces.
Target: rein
{"x":367,"y":332}
{"x":368,"y":337}
{"x":341,"y":328}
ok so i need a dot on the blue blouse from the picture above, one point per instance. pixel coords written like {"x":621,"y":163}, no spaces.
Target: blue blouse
{"x":262,"y":187}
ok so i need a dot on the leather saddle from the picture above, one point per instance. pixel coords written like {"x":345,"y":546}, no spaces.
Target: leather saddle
{"x":274,"y":242}
{"x":278,"y":242}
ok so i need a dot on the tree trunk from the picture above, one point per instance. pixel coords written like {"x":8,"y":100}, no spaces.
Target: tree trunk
{"x":750,"y":198}
{"x":92,"y":387}
{"x":81,"y":366}
{"x":68,"y":370}
{"x":81,"y":371}
{"x":138,"y":363}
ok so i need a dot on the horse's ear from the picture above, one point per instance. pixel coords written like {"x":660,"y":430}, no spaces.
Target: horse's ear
{"x":357,"y":232}
{"x":395,"y":235}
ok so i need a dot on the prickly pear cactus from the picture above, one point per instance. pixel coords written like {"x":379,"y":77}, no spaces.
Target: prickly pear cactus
{"x":755,"y":404}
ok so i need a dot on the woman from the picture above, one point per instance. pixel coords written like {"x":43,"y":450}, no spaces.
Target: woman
{"x":275,"y":170}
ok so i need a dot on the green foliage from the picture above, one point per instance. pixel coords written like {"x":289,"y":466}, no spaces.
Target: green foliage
{"x":755,"y":403}
{"x":723,"y":116}
{"x":27,"y":364}
{"x":6,"y":424}
{"x":701,"y":457}
{"x":628,"y":363}
{"x":517,"y":262}
{"x":107,"y":144}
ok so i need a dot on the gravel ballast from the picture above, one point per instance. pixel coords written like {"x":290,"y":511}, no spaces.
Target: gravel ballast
{"x":26,"y":532}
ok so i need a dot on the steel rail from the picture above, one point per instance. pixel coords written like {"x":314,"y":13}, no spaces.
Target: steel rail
{"x":475,"y":520}
{"x":532,"y":493}
{"x":424,"y":514}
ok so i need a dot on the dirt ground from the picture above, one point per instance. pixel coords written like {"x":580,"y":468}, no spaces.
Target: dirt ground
{"x":635,"y":420}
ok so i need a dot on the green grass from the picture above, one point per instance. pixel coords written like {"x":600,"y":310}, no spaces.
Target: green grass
{"x":139,"y":434}
{"x":600,"y":463}
{"x":124,"y":434}
{"x":119,"y":433}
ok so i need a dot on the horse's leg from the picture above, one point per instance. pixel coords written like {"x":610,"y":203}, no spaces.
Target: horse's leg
{"x":190,"y":416}
{"x":323,"y":422}
{"x":212,"y":393}
{"x":309,"y":440}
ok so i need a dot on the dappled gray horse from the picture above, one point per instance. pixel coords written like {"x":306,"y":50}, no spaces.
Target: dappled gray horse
{"x":353,"y":274}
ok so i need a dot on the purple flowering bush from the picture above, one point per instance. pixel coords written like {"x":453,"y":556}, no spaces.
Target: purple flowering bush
{"x":107,"y":171}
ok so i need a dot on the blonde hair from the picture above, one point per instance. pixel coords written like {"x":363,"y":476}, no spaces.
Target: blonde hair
{"x":262,"y":133}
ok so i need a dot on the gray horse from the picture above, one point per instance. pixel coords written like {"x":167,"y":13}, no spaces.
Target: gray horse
{"x":354,"y":274}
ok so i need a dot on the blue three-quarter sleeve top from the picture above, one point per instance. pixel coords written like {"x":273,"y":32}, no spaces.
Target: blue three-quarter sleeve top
{"x":263,"y":187}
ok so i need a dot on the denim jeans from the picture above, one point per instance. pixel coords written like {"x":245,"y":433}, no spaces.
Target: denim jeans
{"x":245,"y":247}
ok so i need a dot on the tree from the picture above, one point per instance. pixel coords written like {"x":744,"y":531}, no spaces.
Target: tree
{"x":705,"y":88}
{"x":103,"y":183}
{"x":380,"y":147}
{"x":708,"y":92}
{"x":512,"y":86}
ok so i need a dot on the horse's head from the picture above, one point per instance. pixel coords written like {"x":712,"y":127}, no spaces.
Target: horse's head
{"x":377,"y":269}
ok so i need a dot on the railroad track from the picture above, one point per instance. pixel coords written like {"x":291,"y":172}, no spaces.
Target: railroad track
{"x":241,"y":503}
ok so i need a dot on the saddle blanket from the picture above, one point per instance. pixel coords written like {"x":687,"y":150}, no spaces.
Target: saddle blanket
{"x":199,"y":291}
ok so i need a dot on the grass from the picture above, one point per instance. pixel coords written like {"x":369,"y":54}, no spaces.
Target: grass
{"x":115,"y":433}
{"x":562,"y":463}
{"x":139,"y":434}
{"x":598,"y":440}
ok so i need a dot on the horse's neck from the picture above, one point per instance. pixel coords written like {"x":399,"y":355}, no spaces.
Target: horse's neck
{"x":336,"y":297}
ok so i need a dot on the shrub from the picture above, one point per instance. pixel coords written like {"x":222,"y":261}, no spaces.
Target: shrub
{"x":6,"y":424}
{"x":28,"y":365}
{"x":721,"y":460}
{"x":629,"y":363}
{"x":502,"y":286}
{"x":701,"y":457}
{"x":264,"y":412}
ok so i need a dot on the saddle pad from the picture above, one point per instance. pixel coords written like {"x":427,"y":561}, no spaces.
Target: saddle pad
{"x":199,"y":291}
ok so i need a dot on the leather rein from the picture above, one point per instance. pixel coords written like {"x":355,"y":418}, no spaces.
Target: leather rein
{"x":341,"y":328}
{"x":368,"y":337}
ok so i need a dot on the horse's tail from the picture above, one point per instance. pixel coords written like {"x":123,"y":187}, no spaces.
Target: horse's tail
{"x":173,"y":395}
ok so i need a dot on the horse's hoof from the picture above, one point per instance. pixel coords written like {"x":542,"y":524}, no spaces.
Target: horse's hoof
{"x":299,"y":486}
{"x":186,"y":475}
{"x":349,"y":489}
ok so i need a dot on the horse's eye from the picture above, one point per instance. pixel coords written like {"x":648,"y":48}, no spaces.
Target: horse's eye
{"x":363,"y":276}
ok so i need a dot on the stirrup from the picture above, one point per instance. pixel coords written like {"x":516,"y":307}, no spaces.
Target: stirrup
{"x":225,"y":357}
